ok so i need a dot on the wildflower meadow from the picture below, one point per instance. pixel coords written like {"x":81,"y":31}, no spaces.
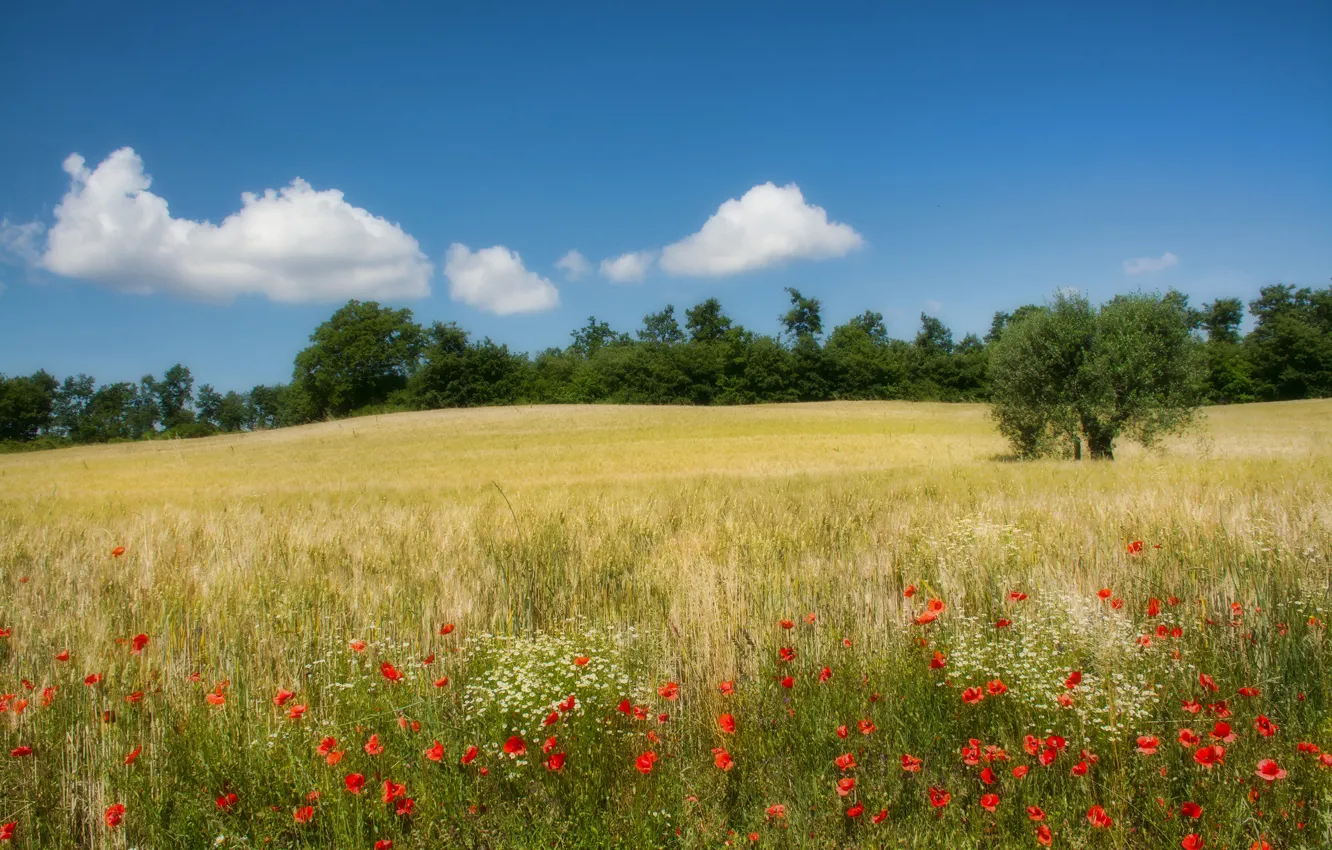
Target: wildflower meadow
{"x":807,"y":626}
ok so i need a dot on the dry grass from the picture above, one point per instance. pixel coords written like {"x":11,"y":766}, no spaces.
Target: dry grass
{"x":702,"y":525}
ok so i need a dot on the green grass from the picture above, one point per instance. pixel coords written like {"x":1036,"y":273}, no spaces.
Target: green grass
{"x":666,"y":545}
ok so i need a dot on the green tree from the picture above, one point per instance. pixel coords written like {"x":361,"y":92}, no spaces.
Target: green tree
{"x":594,"y":335}
{"x":357,"y":358}
{"x":1071,"y":373}
{"x":70,"y":409}
{"x":661,"y":327}
{"x":1290,"y":346}
{"x":173,"y":393}
{"x":208,"y":404}
{"x":707,"y":322}
{"x":804,"y":319}
{"x":234,"y":412}
{"x":25,"y":405}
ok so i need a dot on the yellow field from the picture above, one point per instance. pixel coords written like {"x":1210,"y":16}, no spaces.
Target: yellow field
{"x":714,"y":518}
{"x":251,"y":560}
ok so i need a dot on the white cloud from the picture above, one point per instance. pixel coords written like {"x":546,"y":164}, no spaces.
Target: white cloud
{"x":494,"y":280}
{"x":767,"y":226}
{"x":1150,"y":264}
{"x":20,"y":242}
{"x":295,"y":244}
{"x":574,"y":265}
{"x":628,"y":268}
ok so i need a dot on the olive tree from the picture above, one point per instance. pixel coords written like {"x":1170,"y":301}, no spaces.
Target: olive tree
{"x":1068,"y":374}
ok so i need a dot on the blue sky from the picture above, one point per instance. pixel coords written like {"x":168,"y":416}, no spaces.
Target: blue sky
{"x":980,"y":155}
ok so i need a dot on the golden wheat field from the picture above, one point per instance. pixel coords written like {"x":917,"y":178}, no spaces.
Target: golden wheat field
{"x":247,"y":559}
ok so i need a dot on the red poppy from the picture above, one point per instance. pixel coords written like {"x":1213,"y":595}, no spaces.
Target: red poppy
{"x":936,"y":606}
{"x":354,"y":782}
{"x":390,"y":672}
{"x":133,"y":754}
{"x":845,"y":762}
{"x":20,"y":752}
{"x":469,"y":755}
{"x":1002,"y":624}
{"x":925,"y":618}
{"x":436,"y":752}
{"x":357,"y":645}
{"x":1079,"y":769}
{"x":1043,"y":835}
{"x":1191,"y":810}
{"x":939,"y":797}
{"x":842,"y":731}
{"x":384,"y":844}
{"x":283,"y":696}
{"x":727,"y":688}
{"x":856,"y":811}
{"x":972,"y":696}
{"x":825,"y":674}
{"x":92,"y":679}
{"x":1016,"y":595}
{"x":1189,"y":738}
{"x":1265,"y":727}
{"x":515,"y":746}
{"x":1207,"y":682}
{"x":327,"y":745}
{"x":1047,"y":756}
{"x":1035,"y":813}
{"x":446,"y":629}
{"x":846,"y":785}
{"x":669,"y":691}
{"x":996,"y":687}
{"x":581,"y":661}
{"x":910,"y":763}
{"x":880,"y":817}
{"x":1103,"y":593}
{"x":788,"y":682}
{"x":137,"y":643}
{"x":1097,"y":817}
{"x":118,"y":551}
{"x":1135,"y":548}
{"x":1148,"y":744}
{"x":1210,"y":755}
{"x":302,"y":814}
{"x":1192,"y":841}
{"x":372,"y":746}
{"x":555,"y":762}
{"x":776,"y":811}
{"x":1260,"y":844}
{"x":989,"y":802}
{"x":296,"y":712}
{"x":909,"y":591}
{"x":442,"y":682}
{"x":1153,"y":607}
{"x":1074,"y":679}
{"x":939,"y":661}
{"x":866,"y":726}
{"x":115,"y":813}
{"x":1020,"y":771}
{"x":727,"y":724}
{"x":722,"y":759}
{"x":226,"y":802}
{"x":786,"y":624}
{"x":645,"y":762}
{"x":1249,"y":692}
{"x":786,"y":654}
{"x":63,"y":655}
{"x":1269,"y":770}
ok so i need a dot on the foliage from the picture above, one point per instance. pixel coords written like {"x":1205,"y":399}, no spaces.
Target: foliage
{"x":1070,"y":373}
{"x":358,"y":357}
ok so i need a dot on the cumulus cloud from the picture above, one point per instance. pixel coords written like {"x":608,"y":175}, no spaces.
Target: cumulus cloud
{"x":495,"y":280}
{"x":1150,"y":264}
{"x":767,"y":226}
{"x":294,"y":244}
{"x":628,"y":268}
{"x":574,"y":265}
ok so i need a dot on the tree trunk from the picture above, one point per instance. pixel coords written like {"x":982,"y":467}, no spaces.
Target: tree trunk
{"x":1100,"y":440}
{"x":1077,"y":447}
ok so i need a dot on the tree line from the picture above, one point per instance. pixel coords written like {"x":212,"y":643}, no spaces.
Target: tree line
{"x":368,"y":358}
